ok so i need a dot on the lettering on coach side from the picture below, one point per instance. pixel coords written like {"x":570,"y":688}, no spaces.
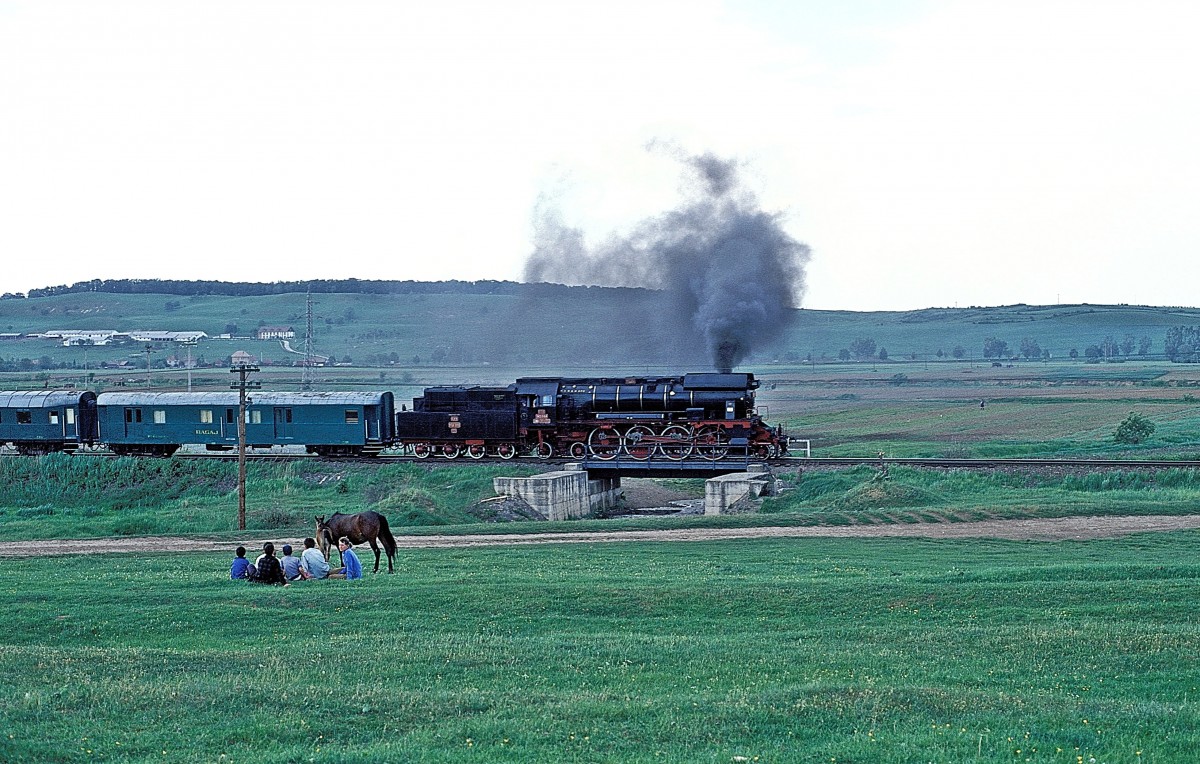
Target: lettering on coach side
{"x":208,"y":432}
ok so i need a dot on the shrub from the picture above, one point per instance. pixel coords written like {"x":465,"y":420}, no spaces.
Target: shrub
{"x":1135,"y":429}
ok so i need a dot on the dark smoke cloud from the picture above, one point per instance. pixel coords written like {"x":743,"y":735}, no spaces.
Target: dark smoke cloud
{"x":730,"y":273}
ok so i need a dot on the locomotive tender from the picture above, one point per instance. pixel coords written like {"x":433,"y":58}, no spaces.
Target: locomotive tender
{"x":706,"y":415}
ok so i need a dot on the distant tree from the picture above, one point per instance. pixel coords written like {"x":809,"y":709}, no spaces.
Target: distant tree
{"x":994,"y":348}
{"x":844,"y":354}
{"x":1030,"y":348}
{"x":941,"y":353}
{"x":1135,"y":429}
{"x":1181,"y":344}
{"x":1094,"y":352}
{"x":346,"y":359}
{"x":1127,"y":345}
{"x":883,"y":354}
{"x":416,"y":360}
{"x":862,"y":348}
{"x":899,"y":379}
{"x":1073,"y":353}
{"x":958,"y":351}
{"x":1110,"y":347}
{"x":231,"y":329}
{"x":1144,"y":345}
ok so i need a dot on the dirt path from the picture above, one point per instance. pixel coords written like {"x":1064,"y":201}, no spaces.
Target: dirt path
{"x":1048,"y":529}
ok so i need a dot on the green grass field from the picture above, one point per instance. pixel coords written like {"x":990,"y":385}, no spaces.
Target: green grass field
{"x":767,"y":651}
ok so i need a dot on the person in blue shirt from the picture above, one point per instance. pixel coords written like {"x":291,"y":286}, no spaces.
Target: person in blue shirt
{"x":290,"y":563}
{"x":351,"y":567}
{"x":240,"y":564}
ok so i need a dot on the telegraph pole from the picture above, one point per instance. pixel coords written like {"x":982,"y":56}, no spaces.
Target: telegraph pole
{"x":242,"y":370}
{"x":149,"y":379}
{"x":306,"y":372}
{"x":190,"y":344}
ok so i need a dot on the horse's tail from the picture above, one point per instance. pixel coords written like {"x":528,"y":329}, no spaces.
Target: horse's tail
{"x":386,"y":537}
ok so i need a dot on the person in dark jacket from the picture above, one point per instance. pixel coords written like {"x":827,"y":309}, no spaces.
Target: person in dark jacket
{"x":269,"y":569}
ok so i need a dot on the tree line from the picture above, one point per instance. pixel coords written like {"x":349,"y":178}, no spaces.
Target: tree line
{"x":1180,"y":345}
{"x":318,"y":286}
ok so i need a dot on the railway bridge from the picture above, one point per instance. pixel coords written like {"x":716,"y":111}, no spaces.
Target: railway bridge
{"x":581,"y":488}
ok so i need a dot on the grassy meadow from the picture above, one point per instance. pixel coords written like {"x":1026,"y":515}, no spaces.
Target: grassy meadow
{"x":87,"y":497}
{"x":805,"y":650}
{"x":915,"y":409}
{"x":796,"y":650}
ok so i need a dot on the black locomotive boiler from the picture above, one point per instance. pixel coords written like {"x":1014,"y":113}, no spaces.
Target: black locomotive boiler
{"x":706,"y":415}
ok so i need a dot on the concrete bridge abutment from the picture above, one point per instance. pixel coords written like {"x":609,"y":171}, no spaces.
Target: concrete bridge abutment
{"x":734,"y":493}
{"x":565,"y":495}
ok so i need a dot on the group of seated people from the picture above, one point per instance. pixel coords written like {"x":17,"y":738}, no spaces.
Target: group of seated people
{"x":310,"y":565}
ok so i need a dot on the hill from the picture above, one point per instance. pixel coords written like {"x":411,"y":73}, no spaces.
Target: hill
{"x":422,"y":324}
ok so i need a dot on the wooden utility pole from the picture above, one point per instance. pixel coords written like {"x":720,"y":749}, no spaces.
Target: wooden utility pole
{"x":242,"y":370}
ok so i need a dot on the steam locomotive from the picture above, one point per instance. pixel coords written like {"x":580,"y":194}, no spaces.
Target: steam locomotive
{"x":704,"y":415}
{"x":708,"y":415}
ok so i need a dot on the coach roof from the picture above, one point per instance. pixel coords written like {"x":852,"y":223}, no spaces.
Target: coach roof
{"x":38,"y":399}
{"x":230,"y":398}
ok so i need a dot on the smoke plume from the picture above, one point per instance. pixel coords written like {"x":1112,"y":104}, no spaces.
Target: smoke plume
{"x":730,"y":273}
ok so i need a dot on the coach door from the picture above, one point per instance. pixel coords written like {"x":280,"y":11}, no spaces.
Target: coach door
{"x":283,"y":423}
{"x":133,"y":418}
{"x":372,"y":415}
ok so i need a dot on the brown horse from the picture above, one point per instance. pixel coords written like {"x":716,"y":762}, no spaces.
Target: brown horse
{"x":366,"y":526}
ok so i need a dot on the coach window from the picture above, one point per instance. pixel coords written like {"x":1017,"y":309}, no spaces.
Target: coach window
{"x":133,"y":415}
{"x":70,"y":416}
{"x":160,"y":416}
{"x":206,"y":416}
{"x":254,"y":417}
{"x":229,"y":416}
{"x":351,"y":416}
{"x":24,"y":417}
{"x":53,"y":417}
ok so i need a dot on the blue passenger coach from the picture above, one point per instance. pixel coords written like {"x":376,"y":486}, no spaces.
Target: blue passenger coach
{"x":327,"y":424}
{"x":43,"y":422}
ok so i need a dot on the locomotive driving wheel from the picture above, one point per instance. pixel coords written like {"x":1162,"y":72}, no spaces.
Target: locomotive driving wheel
{"x":712,"y":442}
{"x":676,"y":443}
{"x":476,"y":451}
{"x":577,"y":450}
{"x":450,"y":451}
{"x":604,"y":443}
{"x":543,"y":450}
{"x":639,"y":442}
{"x":506,"y":450}
{"x":421,"y":450}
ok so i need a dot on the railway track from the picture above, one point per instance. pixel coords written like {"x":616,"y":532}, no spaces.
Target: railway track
{"x":995,"y":463}
{"x":793,"y":462}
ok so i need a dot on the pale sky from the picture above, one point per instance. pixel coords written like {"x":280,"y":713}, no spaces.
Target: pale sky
{"x":930,"y":152}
